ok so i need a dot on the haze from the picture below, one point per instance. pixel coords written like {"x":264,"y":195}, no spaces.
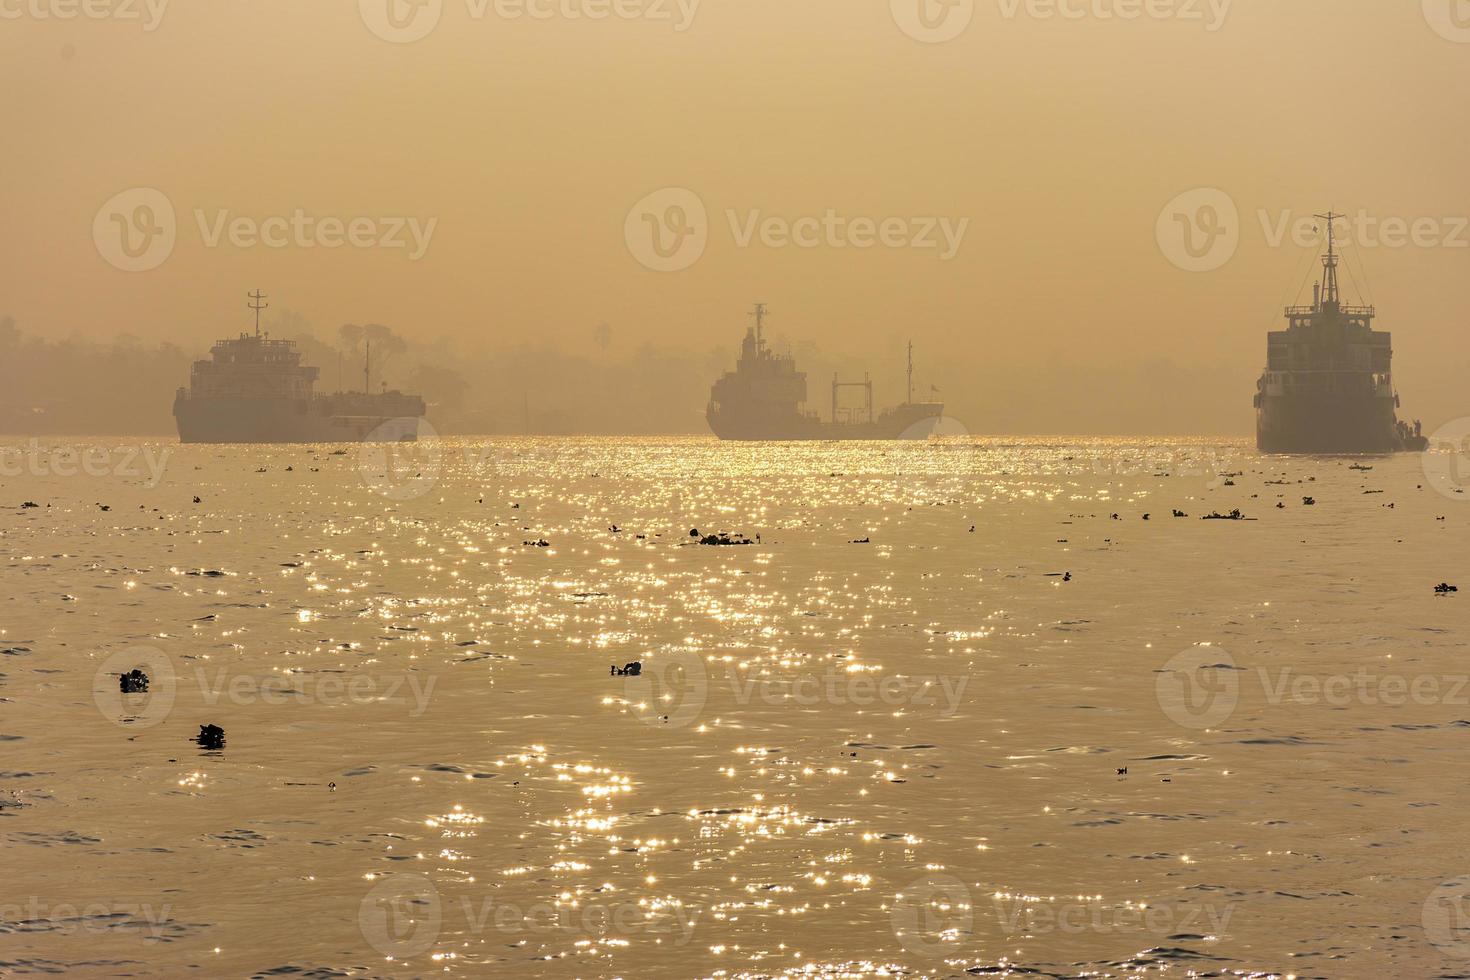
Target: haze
{"x":519,"y":147}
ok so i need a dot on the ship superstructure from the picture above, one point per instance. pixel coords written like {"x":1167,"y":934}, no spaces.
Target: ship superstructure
{"x":1328,"y":383}
{"x":254,"y":388}
{"x":764,"y":399}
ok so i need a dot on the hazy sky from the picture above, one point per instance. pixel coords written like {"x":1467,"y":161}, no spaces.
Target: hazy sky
{"x":520,"y":145}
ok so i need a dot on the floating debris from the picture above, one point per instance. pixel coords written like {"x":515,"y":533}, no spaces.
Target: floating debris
{"x":210,"y":737}
{"x":634,"y":669}
{"x":133,"y":682}
{"x":724,"y":538}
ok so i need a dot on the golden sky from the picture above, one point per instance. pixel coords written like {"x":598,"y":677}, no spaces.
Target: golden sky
{"x":519,"y":138}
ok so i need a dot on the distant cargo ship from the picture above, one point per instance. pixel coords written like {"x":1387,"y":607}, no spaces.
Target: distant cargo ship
{"x":1328,"y":383}
{"x":762,"y":399}
{"x":255,"y":389}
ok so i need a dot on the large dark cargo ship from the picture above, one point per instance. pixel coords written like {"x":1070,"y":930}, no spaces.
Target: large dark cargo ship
{"x":762,"y":399}
{"x":255,"y":389}
{"x":1328,"y":383}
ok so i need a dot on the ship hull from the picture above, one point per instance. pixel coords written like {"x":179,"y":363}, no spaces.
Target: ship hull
{"x":903,"y":422}
{"x":247,"y":420}
{"x":1326,"y":424}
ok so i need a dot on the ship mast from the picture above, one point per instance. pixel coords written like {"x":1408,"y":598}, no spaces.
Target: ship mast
{"x":1329,"y":263}
{"x":256,"y":303}
{"x":760,"y":318}
{"x":367,"y":370}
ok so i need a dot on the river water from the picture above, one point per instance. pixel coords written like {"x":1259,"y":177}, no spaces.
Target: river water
{"x":958,"y":707}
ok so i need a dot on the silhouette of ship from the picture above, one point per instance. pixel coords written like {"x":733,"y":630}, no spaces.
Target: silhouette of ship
{"x":1328,"y":383}
{"x":762,"y":399}
{"x":255,"y":389}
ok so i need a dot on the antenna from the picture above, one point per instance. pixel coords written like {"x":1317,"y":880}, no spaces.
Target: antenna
{"x":760,"y":319}
{"x":1329,"y":261}
{"x":257,"y":304}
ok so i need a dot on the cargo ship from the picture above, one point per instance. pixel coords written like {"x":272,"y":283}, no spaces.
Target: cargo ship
{"x":764,"y":398}
{"x":254,"y":388}
{"x":1328,"y":384}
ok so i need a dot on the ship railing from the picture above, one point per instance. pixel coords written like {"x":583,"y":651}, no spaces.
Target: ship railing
{"x":1368,"y":311}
